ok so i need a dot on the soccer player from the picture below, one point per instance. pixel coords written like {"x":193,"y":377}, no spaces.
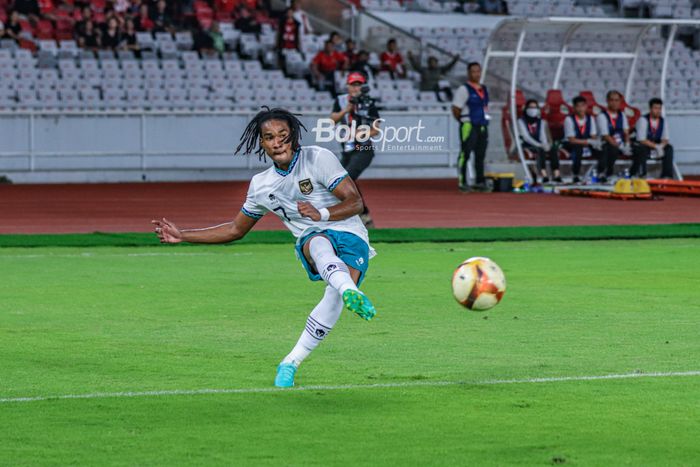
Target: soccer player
{"x":614,"y":130}
{"x":308,"y":189}
{"x":470,"y":109}
{"x":652,"y":141}
{"x":580,"y":135}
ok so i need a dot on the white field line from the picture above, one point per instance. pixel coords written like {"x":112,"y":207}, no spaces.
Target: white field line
{"x":407,"y":384}
{"x":110,"y":255}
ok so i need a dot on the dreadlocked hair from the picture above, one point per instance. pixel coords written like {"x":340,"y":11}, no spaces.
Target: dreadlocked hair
{"x":253,"y":132}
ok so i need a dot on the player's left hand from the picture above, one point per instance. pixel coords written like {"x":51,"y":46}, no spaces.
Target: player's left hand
{"x":307,"y":209}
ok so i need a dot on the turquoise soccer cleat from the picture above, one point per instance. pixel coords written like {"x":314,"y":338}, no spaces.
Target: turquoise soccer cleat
{"x":359,"y":303}
{"x":285,"y":375}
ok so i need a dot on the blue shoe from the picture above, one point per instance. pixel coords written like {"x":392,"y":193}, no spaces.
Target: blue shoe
{"x":357,"y":302}
{"x":285,"y":375}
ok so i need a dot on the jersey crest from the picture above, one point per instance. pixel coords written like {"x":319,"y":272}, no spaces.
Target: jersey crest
{"x":305,"y":186}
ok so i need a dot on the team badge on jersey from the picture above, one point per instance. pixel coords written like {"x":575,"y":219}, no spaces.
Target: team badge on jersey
{"x":305,"y":186}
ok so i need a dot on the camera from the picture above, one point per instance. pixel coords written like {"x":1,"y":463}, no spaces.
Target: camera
{"x":362,"y":102}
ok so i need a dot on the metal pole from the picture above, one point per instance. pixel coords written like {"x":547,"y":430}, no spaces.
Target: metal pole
{"x":514,"y":105}
{"x":633,"y":67}
{"x":31,"y":141}
{"x":142,"y":142}
{"x":564,"y":48}
{"x":664,"y":67}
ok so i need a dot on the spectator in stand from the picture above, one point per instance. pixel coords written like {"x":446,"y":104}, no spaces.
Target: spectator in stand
{"x":325,"y":64}
{"x":392,"y":61}
{"x":431,"y":75}
{"x":337,"y":41}
{"x":246,"y":23}
{"x":535,"y":137}
{"x":301,"y":18}
{"x":162,"y":21}
{"x":128,"y":39}
{"x":122,"y":7}
{"x":13,"y":27}
{"x":143,"y":20}
{"x":89,"y":38}
{"x":202,"y":41}
{"x":217,"y":38}
{"x":652,"y":141}
{"x":2,"y":30}
{"x":470,"y":109}
{"x":362,"y":65}
{"x":85,"y":16}
{"x":580,"y":136}
{"x":614,"y":129}
{"x":111,"y":37}
{"x":492,"y":7}
{"x":350,"y":52}
{"x":28,"y":8}
{"x":288,"y":32}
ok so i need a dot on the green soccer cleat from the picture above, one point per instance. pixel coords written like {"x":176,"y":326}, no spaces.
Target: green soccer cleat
{"x":359,"y":303}
{"x":285,"y":375}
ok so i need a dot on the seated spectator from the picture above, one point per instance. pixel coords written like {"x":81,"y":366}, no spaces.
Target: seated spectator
{"x":431,"y":75}
{"x":350,"y":52}
{"x":162,"y":21}
{"x":217,"y":38}
{"x":325,"y":64}
{"x":492,"y":7}
{"x":13,"y":28}
{"x":614,"y":129}
{"x":362,"y":65}
{"x":128,"y":38}
{"x":143,"y":19}
{"x":301,"y":18}
{"x":202,"y":41}
{"x":580,"y":136}
{"x":28,"y":8}
{"x":534,"y":134}
{"x":392,"y":61}
{"x":246,"y":23}
{"x":89,"y":38}
{"x":111,"y":37}
{"x":337,"y":41}
{"x":288,"y":32}
{"x":652,"y":141}
{"x":85,"y":15}
{"x":122,"y":7}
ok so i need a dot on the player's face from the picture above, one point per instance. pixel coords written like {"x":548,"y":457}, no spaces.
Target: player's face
{"x":272,"y":139}
{"x":474,"y":74}
{"x":655,"y":111}
{"x":354,"y":89}
{"x":581,"y":109}
{"x":614,"y":102}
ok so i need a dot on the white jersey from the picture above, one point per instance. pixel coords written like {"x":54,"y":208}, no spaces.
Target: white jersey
{"x":312,"y":176}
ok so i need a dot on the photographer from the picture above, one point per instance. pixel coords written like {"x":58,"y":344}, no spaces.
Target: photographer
{"x":358,"y":107}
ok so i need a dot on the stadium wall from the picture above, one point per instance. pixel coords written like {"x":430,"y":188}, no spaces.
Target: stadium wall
{"x":122,"y":147}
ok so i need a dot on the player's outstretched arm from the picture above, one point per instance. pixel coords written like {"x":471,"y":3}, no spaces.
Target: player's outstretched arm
{"x":351,"y":203}
{"x":169,"y":233}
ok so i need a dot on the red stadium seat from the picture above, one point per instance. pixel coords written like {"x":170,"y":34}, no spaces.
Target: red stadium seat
{"x":506,"y":128}
{"x":594,"y":108}
{"x":44,"y":30}
{"x":632,"y":113}
{"x":27,"y":44}
{"x":46,"y":6}
{"x":555,"y":111}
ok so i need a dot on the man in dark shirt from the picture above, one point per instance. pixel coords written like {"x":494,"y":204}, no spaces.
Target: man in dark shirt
{"x":355,"y":106}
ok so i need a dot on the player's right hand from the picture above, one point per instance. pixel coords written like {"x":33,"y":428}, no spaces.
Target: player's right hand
{"x":167,"y":231}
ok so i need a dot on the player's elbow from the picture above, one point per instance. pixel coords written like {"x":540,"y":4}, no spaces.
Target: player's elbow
{"x":358,"y":206}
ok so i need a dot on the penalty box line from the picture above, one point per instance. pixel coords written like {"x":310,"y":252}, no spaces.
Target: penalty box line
{"x":341,"y":387}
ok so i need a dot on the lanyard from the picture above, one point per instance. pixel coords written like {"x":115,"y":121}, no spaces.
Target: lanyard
{"x":614,"y":122}
{"x":651,"y":125}
{"x":581,"y":126}
{"x":480,"y":91}
{"x":531,"y":127}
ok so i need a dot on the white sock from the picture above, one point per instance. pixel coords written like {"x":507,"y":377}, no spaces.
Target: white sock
{"x":329,"y":266}
{"x":318,"y":325}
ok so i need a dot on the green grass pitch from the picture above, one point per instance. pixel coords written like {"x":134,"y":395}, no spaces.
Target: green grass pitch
{"x":97,"y":320}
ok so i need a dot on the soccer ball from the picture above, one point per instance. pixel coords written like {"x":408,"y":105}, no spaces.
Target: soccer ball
{"x":478,"y":284}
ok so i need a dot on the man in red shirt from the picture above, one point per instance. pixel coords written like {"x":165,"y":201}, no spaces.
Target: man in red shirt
{"x":392,"y":61}
{"x":325,"y":63}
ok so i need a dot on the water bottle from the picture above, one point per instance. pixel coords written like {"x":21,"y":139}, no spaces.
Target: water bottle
{"x":626,"y":174}
{"x":594,"y":175}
